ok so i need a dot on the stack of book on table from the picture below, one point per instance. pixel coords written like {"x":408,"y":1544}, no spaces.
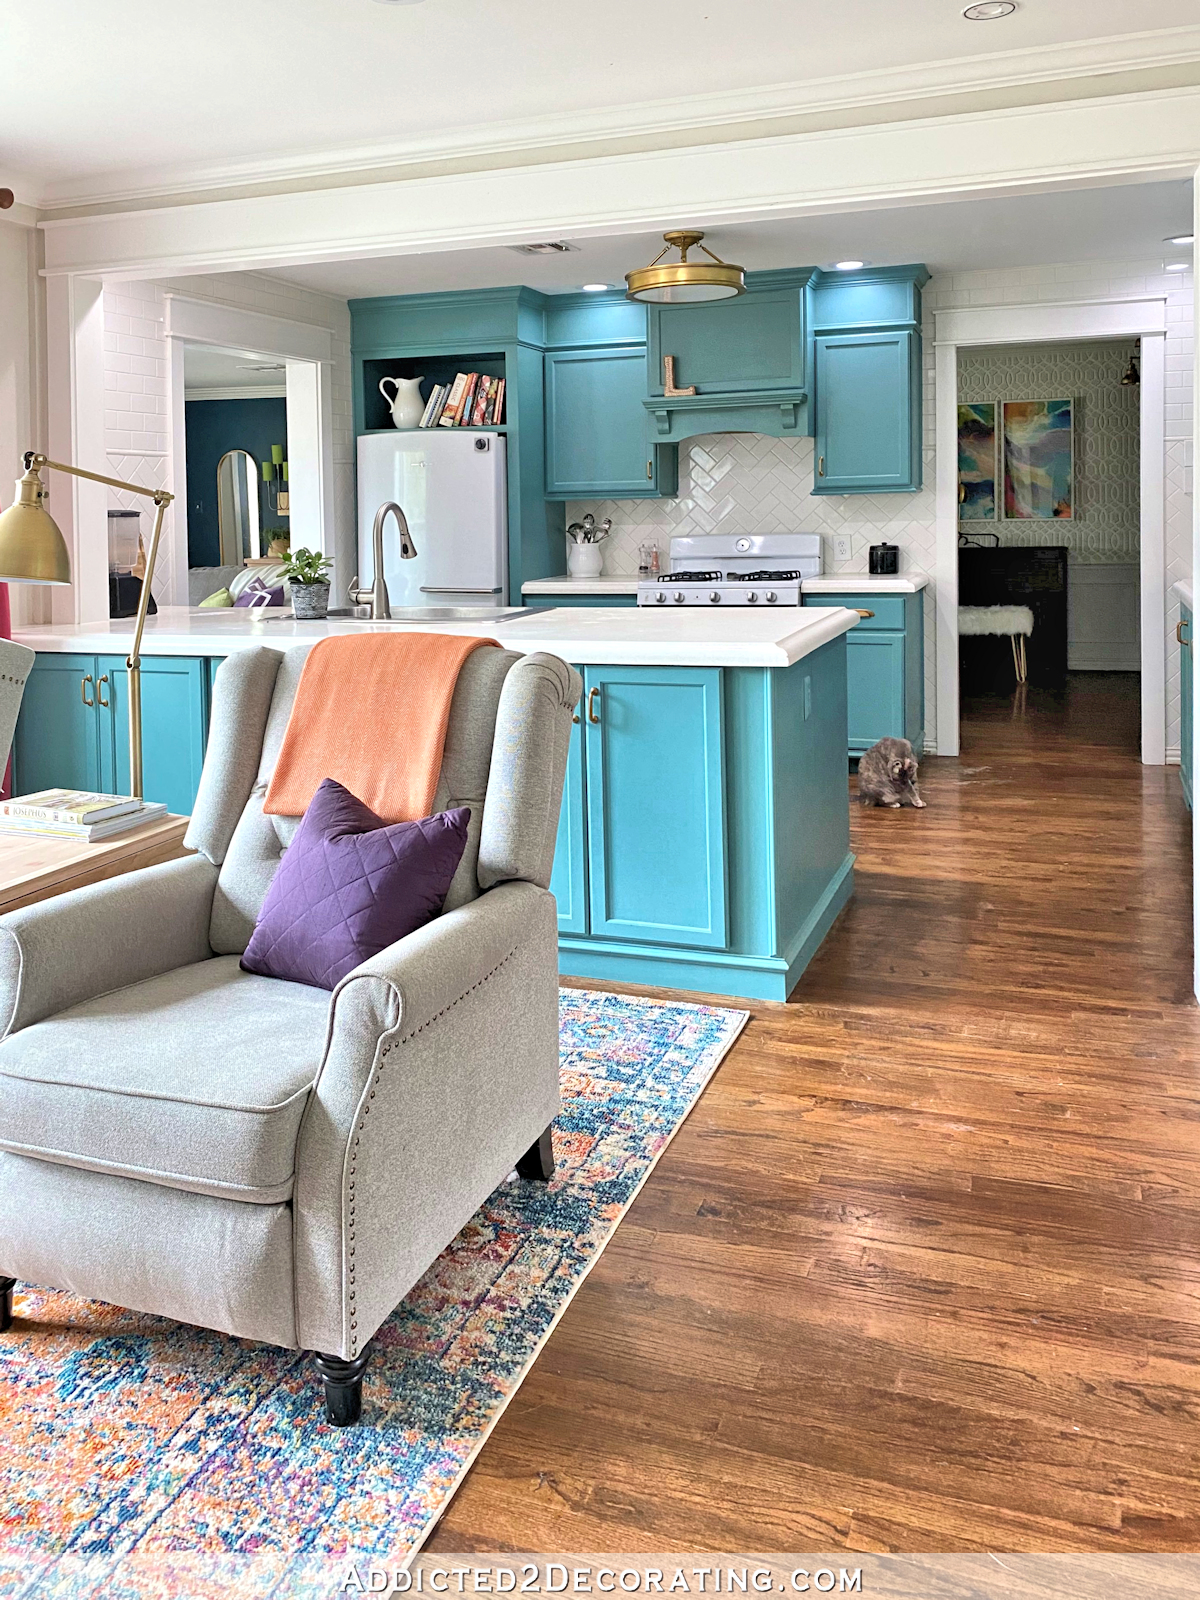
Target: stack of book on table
{"x":473,"y":400}
{"x":76,"y":814}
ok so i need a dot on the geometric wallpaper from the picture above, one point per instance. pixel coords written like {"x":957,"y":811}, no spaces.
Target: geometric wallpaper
{"x":1106,"y":425}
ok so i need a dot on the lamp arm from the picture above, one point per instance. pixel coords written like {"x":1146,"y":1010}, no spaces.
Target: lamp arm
{"x":133,"y":661}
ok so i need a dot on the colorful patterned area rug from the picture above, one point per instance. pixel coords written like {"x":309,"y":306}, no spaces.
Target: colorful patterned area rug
{"x":143,"y":1458}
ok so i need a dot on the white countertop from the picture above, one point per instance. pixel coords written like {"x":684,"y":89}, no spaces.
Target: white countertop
{"x":594,"y":635}
{"x":1183,"y":591}
{"x":828,"y":583}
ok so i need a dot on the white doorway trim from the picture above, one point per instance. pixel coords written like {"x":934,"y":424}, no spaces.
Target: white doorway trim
{"x":1044,"y":323}
{"x":307,"y":352}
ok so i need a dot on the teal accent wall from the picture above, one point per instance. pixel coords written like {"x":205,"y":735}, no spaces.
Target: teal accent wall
{"x":212,"y":427}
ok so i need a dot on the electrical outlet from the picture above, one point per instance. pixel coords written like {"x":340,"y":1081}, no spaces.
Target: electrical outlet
{"x":841,"y":547}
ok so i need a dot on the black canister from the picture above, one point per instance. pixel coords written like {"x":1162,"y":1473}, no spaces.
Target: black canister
{"x":883,"y":560}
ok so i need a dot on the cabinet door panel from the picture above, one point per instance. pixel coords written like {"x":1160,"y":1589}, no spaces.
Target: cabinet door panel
{"x":174,"y":727}
{"x":1186,"y":709}
{"x":568,"y":880}
{"x":730,"y":346}
{"x":874,"y":688}
{"x":596,"y":429}
{"x":655,"y":804}
{"x":865,"y":413}
{"x":57,"y":742}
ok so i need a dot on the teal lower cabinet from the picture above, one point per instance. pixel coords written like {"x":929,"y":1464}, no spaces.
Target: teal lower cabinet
{"x":885,"y":668}
{"x":73,"y":731}
{"x":704,"y":839}
{"x":1186,"y":709}
{"x":548,"y":602}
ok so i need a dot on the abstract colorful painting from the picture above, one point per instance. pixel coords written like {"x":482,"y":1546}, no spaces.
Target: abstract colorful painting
{"x":977,"y":461}
{"x":1039,"y":460}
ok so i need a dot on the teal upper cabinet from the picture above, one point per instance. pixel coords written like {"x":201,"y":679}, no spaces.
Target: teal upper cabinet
{"x":745,"y":358}
{"x":867,"y":380}
{"x":597,"y":439}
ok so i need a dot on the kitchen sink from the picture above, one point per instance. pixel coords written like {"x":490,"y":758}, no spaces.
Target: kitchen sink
{"x":424,"y":614}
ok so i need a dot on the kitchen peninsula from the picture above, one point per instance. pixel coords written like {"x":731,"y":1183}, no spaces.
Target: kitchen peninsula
{"x":704,"y":836}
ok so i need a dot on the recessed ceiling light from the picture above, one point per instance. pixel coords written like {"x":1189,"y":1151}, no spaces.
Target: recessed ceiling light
{"x":990,"y":10}
{"x":594,"y":288}
{"x":1176,"y":266}
{"x":848,"y":266}
{"x":1181,"y":238}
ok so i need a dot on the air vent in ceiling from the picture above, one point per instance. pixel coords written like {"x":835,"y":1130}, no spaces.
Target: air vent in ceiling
{"x":551,"y":247}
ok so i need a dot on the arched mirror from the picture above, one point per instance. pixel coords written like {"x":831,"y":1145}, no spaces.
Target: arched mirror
{"x":237,"y":507}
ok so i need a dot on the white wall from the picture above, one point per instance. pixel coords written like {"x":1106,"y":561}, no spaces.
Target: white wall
{"x":747,"y":483}
{"x":138,"y":436}
{"x":22,"y":400}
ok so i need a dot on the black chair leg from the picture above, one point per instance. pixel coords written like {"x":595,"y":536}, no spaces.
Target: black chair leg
{"x":343,"y":1387}
{"x":538,"y":1160}
{"x":7,"y":1285}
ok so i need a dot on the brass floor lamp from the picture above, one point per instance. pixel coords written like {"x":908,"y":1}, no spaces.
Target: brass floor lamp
{"x":32,"y":550}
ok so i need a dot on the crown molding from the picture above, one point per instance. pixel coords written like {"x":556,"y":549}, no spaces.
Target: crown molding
{"x":652,"y":124}
{"x":236,"y":391}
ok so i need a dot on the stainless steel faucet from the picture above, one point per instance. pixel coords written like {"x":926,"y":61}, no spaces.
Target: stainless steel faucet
{"x":377,"y":595}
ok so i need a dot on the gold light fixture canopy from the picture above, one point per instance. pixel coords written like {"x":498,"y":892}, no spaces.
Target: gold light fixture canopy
{"x":685,"y":282}
{"x":32,"y":550}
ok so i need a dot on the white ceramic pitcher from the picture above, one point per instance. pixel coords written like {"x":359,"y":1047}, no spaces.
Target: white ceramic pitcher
{"x":406,"y":404}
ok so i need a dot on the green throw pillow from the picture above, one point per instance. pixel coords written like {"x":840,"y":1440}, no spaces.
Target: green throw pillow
{"x":221,"y":598}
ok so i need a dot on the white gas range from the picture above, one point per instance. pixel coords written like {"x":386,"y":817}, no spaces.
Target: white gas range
{"x":736,"y":569}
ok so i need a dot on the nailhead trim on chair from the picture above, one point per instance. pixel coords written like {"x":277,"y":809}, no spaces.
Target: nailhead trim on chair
{"x":387,"y":1050}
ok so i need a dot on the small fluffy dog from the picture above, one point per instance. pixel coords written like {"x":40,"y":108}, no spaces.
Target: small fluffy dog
{"x":887,"y":775}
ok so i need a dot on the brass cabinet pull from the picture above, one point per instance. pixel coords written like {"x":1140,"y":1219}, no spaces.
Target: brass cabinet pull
{"x":1179,"y":627}
{"x":575,"y":718}
{"x":591,"y":706}
{"x":100,"y":700}
{"x":866,"y":613}
{"x":820,"y":466}
{"x":650,"y":471}
{"x":83,"y":694}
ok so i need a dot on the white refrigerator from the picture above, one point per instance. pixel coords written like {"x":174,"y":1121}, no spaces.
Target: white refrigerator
{"x":453,"y":489}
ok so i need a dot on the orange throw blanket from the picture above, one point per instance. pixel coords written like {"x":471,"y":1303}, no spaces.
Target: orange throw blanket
{"x":371,"y":712}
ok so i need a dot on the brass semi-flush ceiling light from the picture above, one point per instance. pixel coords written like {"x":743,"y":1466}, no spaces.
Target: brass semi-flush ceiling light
{"x":681,"y":281}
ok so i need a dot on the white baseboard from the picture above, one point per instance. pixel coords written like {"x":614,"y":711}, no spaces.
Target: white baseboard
{"x":1103,"y":618}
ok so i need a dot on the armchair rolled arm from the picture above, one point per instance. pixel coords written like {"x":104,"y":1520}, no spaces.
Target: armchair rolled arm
{"x":104,"y":936}
{"x":440,"y":1069}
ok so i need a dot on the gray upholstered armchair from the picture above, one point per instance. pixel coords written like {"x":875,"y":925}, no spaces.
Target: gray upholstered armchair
{"x":259,"y":1157}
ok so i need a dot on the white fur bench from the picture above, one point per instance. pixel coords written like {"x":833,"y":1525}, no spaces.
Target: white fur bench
{"x":1014,"y":621}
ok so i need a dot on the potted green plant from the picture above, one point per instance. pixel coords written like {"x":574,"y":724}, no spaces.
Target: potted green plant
{"x":307,"y":571}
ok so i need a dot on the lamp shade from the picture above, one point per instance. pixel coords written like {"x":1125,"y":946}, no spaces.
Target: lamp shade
{"x":32,"y":550}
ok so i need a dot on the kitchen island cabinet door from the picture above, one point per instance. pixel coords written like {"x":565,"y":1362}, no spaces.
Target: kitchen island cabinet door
{"x":57,"y":742}
{"x":597,"y":435}
{"x":568,"y":880}
{"x":655,"y":804}
{"x":874,"y":688}
{"x":174,"y":727}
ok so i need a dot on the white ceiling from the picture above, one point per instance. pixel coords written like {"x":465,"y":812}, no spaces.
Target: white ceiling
{"x":1124,"y":223}
{"x":146,"y":85}
{"x":206,"y":367}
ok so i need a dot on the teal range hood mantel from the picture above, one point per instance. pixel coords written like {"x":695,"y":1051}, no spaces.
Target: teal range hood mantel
{"x":779,"y":412}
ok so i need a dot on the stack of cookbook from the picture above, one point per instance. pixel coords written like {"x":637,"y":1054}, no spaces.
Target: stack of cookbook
{"x":76,"y":814}
{"x":473,"y":400}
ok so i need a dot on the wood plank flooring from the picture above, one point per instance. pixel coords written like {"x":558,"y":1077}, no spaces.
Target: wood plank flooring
{"x":922,"y":1270}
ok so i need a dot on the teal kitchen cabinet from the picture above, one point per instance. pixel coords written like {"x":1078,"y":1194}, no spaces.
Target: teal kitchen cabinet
{"x":867,"y":380}
{"x":704,"y":837}
{"x":1186,"y":708}
{"x":568,"y":880}
{"x":868,"y":412}
{"x":57,"y":740}
{"x":885,"y":667}
{"x":73,"y":731}
{"x":655,"y":804}
{"x":597,"y":435}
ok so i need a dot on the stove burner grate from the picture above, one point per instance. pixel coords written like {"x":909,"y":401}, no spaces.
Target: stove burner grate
{"x":691,"y":577}
{"x":765,"y":575}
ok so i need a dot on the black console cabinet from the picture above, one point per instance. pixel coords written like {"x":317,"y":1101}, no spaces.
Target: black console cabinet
{"x":1033,"y":576}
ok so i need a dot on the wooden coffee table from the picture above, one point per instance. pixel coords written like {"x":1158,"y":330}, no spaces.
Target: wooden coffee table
{"x":33,"y":866}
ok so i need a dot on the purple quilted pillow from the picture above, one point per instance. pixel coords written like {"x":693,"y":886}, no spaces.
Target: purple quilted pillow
{"x":349,"y":885}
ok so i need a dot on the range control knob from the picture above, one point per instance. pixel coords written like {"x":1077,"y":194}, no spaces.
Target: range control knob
{"x":771,"y":597}
{"x":660,"y":599}
{"x":680,"y":597}
{"x":753,"y":597}
{"x":715,"y":596}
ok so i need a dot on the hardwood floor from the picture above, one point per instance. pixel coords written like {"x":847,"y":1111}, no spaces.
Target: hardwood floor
{"x":922,"y":1270}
